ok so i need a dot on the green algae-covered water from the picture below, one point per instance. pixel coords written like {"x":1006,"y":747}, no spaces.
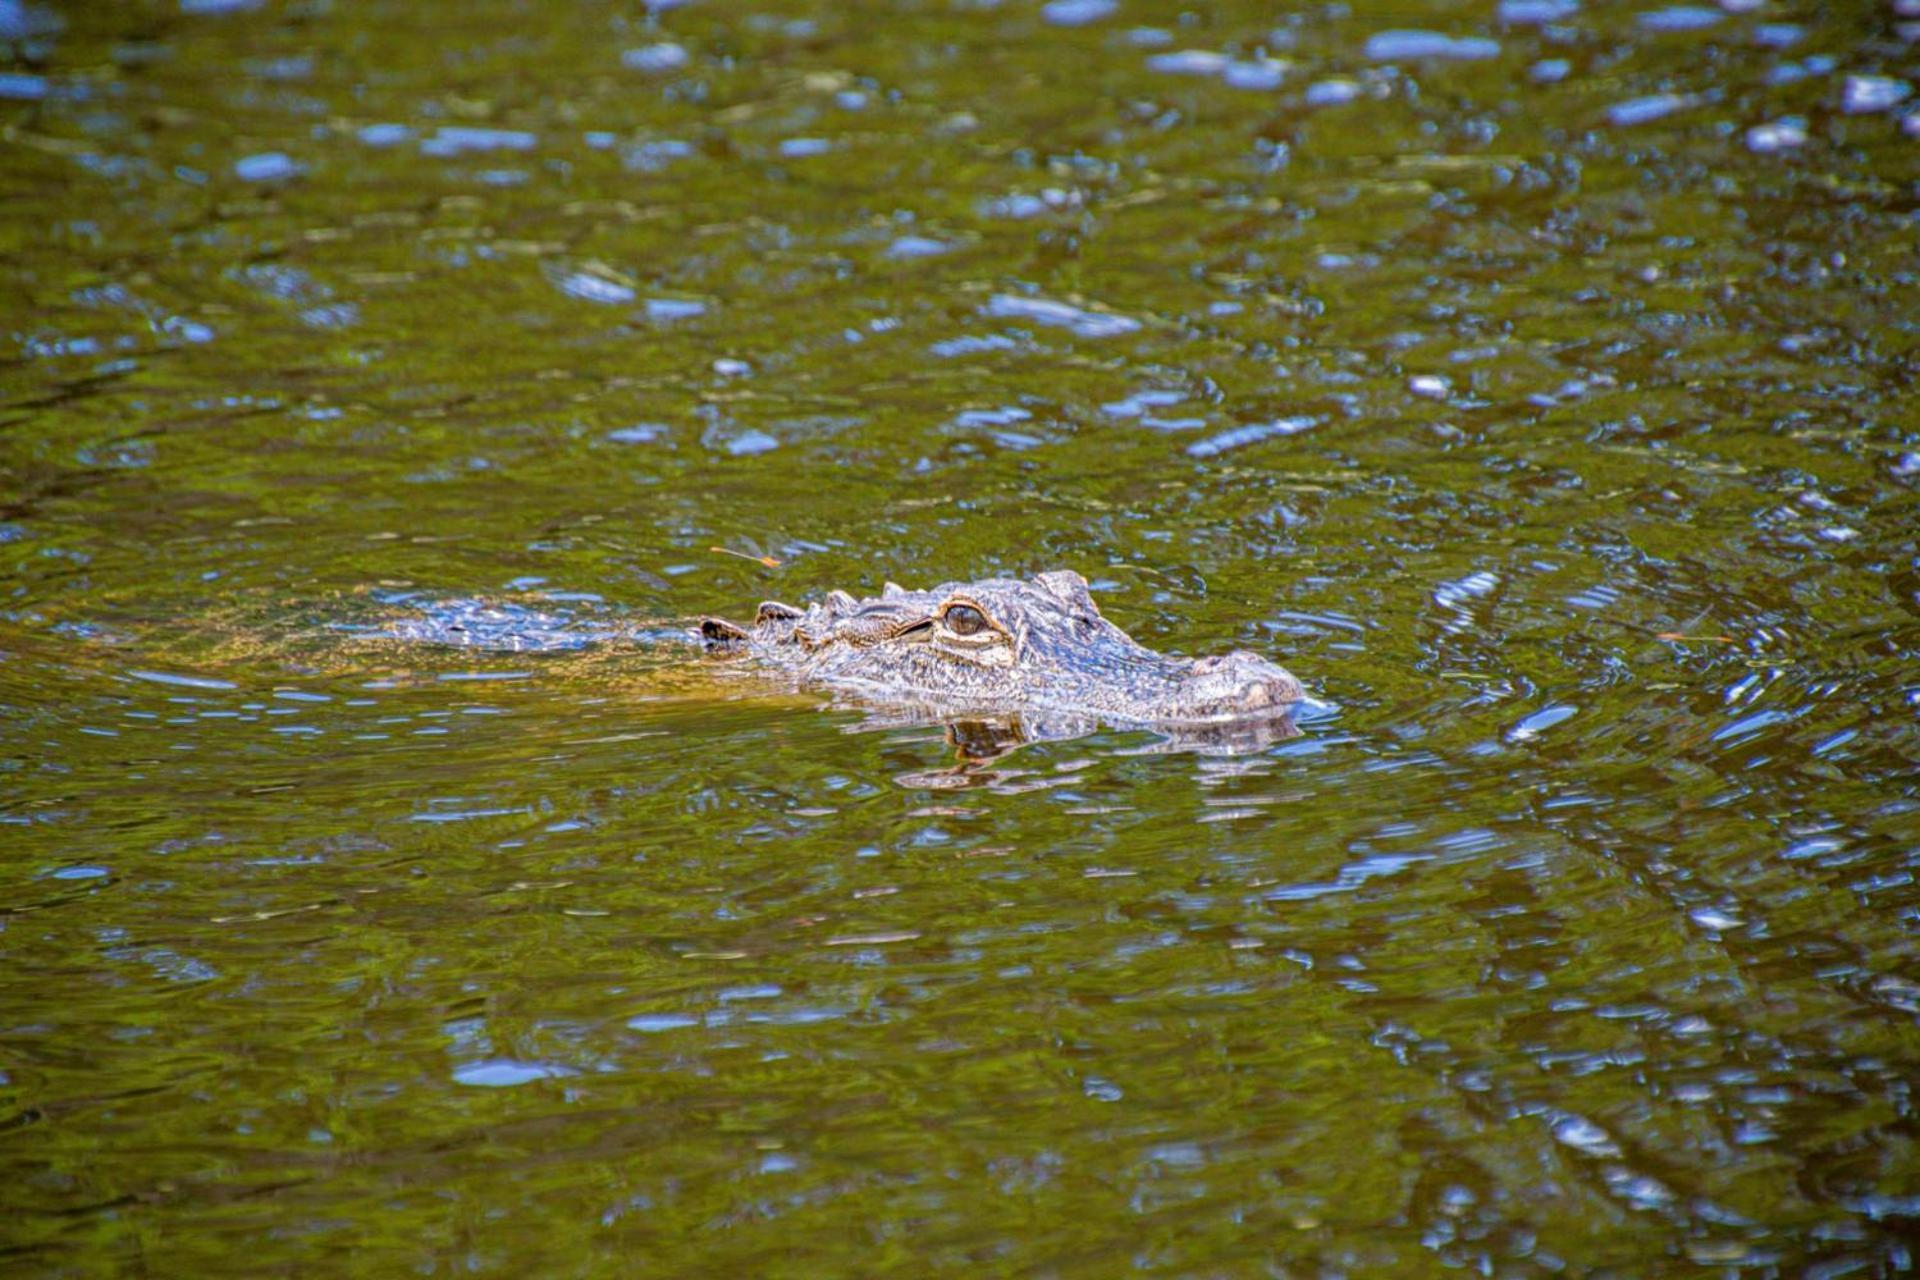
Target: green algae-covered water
{"x":1537,"y":381}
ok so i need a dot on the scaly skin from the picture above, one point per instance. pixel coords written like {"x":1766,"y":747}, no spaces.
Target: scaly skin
{"x":1004,"y":645}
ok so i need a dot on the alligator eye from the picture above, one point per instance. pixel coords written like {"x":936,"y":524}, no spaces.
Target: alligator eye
{"x":964,"y":620}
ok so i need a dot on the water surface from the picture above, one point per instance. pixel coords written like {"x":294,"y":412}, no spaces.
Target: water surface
{"x":1537,"y":380}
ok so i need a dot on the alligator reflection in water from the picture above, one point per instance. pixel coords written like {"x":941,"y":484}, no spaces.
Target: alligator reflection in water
{"x":977,"y":739}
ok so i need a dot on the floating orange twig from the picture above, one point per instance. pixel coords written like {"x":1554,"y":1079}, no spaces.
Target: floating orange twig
{"x":768,"y":561}
{"x":1675,"y":635}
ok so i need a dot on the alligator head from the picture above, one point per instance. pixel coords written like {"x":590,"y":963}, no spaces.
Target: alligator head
{"x":1006,"y":644}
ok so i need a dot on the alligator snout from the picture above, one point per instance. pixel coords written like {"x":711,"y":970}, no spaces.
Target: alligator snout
{"x":1241,"y":682}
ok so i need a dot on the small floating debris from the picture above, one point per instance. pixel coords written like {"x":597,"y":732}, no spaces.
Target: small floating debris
{"x":728,"y":367}
{"x":1430,"y":386}
{"x":870,"y":939}
{"x":1393,"y":46}
{"x":1060,"y":315}
{"x":1860,"y":95}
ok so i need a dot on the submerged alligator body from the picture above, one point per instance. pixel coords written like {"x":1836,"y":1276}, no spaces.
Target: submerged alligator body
{"x":1004,"y":646}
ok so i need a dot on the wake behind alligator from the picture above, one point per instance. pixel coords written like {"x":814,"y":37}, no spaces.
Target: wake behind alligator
{"x":1014,"y":659}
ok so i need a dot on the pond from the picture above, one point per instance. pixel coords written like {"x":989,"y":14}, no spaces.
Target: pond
{"x":1536,"y":380}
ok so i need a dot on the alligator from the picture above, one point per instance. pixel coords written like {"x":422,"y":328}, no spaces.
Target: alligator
{"x":1000,"y":662}
{"x":1002,"y":645}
